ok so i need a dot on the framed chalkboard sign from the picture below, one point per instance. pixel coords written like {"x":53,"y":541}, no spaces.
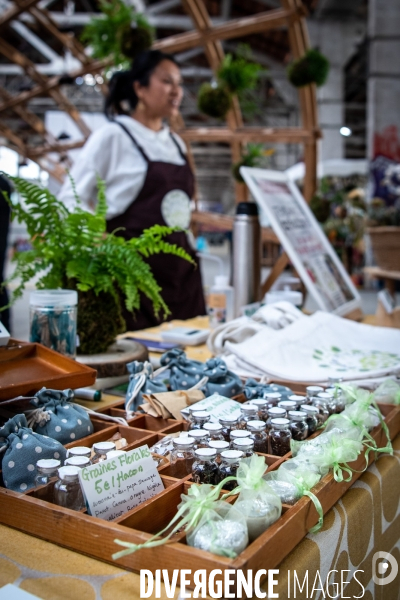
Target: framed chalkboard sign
{"x":302,"y":238}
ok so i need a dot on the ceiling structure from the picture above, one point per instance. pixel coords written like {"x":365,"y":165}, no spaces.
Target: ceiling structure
{"x":43,"y":67}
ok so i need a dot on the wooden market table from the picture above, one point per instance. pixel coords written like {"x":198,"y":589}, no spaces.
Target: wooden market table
{"x":366,"y":520}
{"x":389,"y":277}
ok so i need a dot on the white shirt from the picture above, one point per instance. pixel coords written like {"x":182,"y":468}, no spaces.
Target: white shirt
{"x":110,"y":154}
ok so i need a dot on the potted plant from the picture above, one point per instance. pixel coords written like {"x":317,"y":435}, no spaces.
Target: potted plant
{"x":312,"y":67}
{"x":384,"y":231}
{"x":72,"y":249}
{"x":253,"y":156}
{"x":119,"y":32}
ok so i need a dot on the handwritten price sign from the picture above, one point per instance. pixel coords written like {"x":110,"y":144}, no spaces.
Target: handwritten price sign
{"x":115,"y":486}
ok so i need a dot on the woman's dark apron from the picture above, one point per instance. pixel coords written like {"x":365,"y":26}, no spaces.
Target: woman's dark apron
{"x":180,"y":281}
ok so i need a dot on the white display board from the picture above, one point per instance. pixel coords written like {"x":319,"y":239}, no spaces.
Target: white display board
{"x":302,"y":238}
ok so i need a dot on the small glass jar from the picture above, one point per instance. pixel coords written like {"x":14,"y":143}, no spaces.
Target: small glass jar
{"x":272,"y":398}
{"x":330,"y":401}
{"x":228,"y":423}
{"x":298,"y":425}
{"x":101,"y":449}
{"x":181,"y":457}
{"x":323,"y":412}
{"x":237,"y":434}
{"x":230,"y":460}
{"x":67,"y":490}
{"x":275,"y":413}
{"x":215,"y":430}
{"x":220,"y":446}
{"x":205,"y":469}
{"x":192,"y":409}
{"x":339,"y":398}
{"x":280,"y":436}
{"x":312,"y":391}
{"x":287,"y":405}
{"x":312,"y":417}
{"x":79,"y":451}
{"x":201,"y":438}
{"x":245,"y":445}
{"x":79,"y":461}
{"x":115,"y":453}
{"x":257,"y":430}
{"x":262,"y":406}
{"x":46,"y":472}
{"x":334,"y":380}
{"x":298,"y":399}
{"x":53,"y":315}
{"x":200,"y":417}
{"x":248,"y":412}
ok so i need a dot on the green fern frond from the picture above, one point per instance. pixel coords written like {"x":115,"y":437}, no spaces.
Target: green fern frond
{"x":75,"y":246}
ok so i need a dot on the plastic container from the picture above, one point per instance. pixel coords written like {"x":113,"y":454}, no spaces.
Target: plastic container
{"x":220,"y":301}
{"x":53,"y":317}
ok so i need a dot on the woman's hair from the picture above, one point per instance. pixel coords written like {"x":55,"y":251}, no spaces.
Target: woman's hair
{"x":121,"y":90}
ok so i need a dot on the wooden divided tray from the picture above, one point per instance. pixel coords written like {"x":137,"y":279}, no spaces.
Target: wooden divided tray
{"x":32,"y":513}
{"x":26,"y":367}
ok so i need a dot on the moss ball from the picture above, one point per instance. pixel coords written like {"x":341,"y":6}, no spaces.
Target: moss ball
{"x":135,"y":39}
{"x":313,"y":67}
{"x":214,"y":101}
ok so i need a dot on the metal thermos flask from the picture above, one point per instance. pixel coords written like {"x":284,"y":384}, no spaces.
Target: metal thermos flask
{"x":246,"y":255}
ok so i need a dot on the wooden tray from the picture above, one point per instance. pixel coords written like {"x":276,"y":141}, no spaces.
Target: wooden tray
{"x":26,"y":367}
{"x":33,"y":514}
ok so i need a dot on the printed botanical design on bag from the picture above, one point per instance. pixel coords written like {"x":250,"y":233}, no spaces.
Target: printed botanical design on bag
{"x":349,"y":360}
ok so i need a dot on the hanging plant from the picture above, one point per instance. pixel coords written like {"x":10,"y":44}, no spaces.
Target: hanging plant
{"x":313,"y":67}
{"x":253,"y":157}
{"x":238,"y":73}
{"x":136,"y":37}
{"x":72,"y":249}
{"x":117,"y":32}
{"x":214,"y":100}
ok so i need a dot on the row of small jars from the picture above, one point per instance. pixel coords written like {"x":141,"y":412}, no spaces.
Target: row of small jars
{"x":67,"y":491}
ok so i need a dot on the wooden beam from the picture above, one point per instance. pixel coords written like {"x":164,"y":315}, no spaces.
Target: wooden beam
{"x":69,"y":41}
{"x":277,"y":269}
{"x":20,"y":59}
{"x":51,"y":83}
{"x":55,"y":147}
{"x":13,"y":139}
{"x":29,"y":117}
{"x":288,"y":135}
{"x":272,"y":19}
{"x":15,"y":11}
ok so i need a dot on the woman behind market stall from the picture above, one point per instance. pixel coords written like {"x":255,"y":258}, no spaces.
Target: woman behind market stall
{"x":147,"y":175}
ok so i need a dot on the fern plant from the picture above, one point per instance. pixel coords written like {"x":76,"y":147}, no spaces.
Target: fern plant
{"x":73,"y":249}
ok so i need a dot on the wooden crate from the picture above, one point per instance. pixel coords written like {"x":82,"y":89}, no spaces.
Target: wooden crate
{"x":32,"y":513}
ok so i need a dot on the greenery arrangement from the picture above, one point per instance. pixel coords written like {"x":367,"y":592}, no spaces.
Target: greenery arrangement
{"x":120,"y":32}
{"x":340,"y":208}
{"x":381,"y":215}
{"x":313,"y":67}
{"x":214,"y":100}
{"x":72,"y":249}
{"x":253,"y":156}
{"x":238,"y":75}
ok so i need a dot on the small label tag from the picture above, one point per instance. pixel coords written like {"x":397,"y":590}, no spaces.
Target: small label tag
{"x":217,"y":300}
{"x":115,"y":486}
